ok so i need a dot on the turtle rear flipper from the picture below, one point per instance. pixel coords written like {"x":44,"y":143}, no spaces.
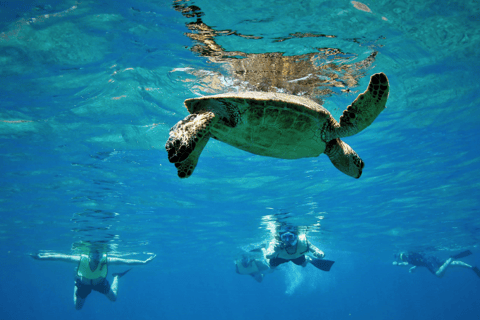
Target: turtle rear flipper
{"x":366,"y":108}
{"x":187,"y":140}
{"x":344,"y":158}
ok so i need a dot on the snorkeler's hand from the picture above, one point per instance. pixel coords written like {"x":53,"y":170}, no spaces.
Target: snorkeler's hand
{"x":411,"y":270}
{"x":150,"y":258}
{"x":395,"y":263}
{"x":319,"y":254}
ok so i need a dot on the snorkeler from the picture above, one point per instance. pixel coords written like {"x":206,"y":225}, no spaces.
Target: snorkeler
{"x":433,"y":264}
{"x":92,"y":273}
{"x":253,"y":267}
{"x":288,"y":245}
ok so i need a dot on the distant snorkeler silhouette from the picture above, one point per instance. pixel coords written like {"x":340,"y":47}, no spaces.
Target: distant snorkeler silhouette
{"x":432,"y":263}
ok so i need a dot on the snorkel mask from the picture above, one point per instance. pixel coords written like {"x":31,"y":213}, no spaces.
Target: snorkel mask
{"x":289,"y":238}
{"x":95,"y":255}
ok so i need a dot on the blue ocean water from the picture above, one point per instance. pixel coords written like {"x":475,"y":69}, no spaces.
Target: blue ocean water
{"x":90,"y":89}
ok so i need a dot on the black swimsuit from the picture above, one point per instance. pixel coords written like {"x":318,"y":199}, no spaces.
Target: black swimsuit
{"x":83,"y":290}
{"x":298,"y":261}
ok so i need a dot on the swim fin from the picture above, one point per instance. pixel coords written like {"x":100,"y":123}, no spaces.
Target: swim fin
{"x":477,"y":271}
{"x":462,"y":254}
{"x":322,"y":264}
{"x":121,"y":274}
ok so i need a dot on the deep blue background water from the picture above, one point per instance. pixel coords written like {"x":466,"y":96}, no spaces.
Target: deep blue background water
{"x":90,"y":89}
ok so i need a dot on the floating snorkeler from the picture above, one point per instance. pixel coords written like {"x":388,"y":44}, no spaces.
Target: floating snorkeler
{"x":265,"y":122}
{"x":433,"y":264}
{"x":291,"y":245}
{"x":288,"y":245}
{"x":275,"y":125}
{"x":92,"y":272}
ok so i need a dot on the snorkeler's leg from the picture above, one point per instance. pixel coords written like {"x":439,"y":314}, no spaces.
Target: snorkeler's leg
{"x":112,"y":293}
{"x":307,"y":260}
{"x":461,"y":264}
{"x":77,"y":300}
{"x":441,"y":271}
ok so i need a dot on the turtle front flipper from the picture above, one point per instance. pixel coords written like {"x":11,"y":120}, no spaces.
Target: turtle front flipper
{"x":366,"y":108}
{"x":344,"y":158}
{"x":187,"y":140}
{"x":186,"y":167}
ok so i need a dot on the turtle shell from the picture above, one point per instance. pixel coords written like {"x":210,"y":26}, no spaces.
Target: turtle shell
{"x":268,"y":124}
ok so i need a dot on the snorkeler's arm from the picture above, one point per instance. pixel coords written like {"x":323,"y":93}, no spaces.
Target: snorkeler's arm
{"x":118,"y":261}
{"x":56,"y":257}
{"x":317,"y":253}
{"x":412,"y":269}
{"x":271,"y":251}
{"x":400,"y":264}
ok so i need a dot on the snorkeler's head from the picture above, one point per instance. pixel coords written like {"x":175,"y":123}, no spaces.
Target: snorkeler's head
{"x":95,"y":254}
{"x":403,"y":257}
{"x":289,"y":238}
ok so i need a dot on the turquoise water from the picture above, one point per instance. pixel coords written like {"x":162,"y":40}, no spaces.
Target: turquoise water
{"x":90,"y":89}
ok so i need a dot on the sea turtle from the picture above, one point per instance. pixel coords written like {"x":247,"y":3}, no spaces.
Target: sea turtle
{"x":275,"y":125}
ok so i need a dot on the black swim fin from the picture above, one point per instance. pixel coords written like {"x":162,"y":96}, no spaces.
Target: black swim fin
{"x":462,"y":254}
{"x":322,"y":264}
{"x":121,"y":274}
{"x":477,"y":271}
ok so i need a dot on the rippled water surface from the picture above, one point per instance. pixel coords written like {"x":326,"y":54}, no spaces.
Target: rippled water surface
{"x":90,"y":89}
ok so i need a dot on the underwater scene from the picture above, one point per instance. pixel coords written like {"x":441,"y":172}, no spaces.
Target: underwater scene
{"x":195,"y":159}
